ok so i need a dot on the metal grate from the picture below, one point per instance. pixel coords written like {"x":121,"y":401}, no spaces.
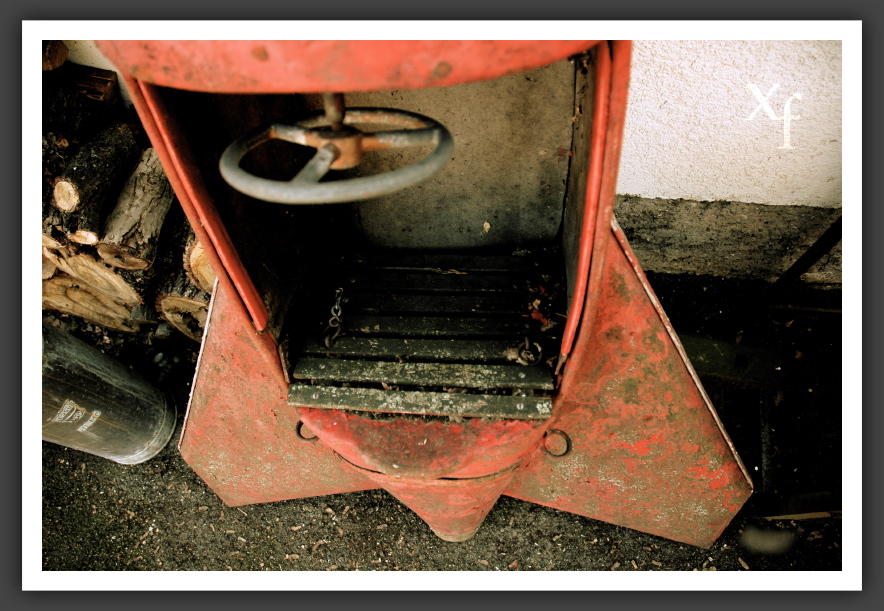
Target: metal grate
{"x":433,"y":334}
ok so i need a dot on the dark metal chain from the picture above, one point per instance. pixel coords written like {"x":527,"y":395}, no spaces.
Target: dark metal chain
{"x":333,"y":330}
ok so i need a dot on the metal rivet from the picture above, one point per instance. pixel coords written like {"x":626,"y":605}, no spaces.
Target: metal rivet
{"x":520,"y":406}
{"x":522,"y":376}
{"x":322,"y":366}
{"x":315,"y":395}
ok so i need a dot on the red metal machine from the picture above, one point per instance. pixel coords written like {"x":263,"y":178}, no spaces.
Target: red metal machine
{"x":439,"y":389}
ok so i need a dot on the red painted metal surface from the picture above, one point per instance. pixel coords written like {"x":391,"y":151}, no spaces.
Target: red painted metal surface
{"x":184,"y":175}
{"x":453,"y":508}
{"x":240,"y":434}
{"x":416,"y":448}
{"x":596,"y":241}
{"x":593,"y":184}
{"x":316,"y":66}
{"x":648,"y":451}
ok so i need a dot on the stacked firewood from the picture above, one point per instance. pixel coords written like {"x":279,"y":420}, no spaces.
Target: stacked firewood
{"x":106,"y":205}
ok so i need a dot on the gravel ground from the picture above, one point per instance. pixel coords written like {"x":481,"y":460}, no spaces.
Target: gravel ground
{"x":159,"y":516}
{"x":99,"y":516}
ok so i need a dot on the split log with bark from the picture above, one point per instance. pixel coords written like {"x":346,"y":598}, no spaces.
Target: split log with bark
{"x":196,"y":264}
{"x":180,"y":300}
{"x":131,"y":233}
{"x":71,"y":296}
{"x":183,"y":305}
{"x":77,"y":283}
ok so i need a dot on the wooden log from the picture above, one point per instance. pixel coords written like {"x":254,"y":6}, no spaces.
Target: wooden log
{"x":94,"y":175}
{"x":196,"y":265}
{"x":65,"y":227}
{"x":51,"y":243}
{"x":74,"y":108}
{"x":81,"y":228}
{"x":72,"y":228}
{"x":183,"y":305}
{"x":49,"y":265}
{"x":56,"y":150}
{"x":132,"y":230}
{"x":55,"y":52}
{"x":52,"y":251}
{"x":95,"y":83}
{"x":70,"y":296}
{"x":100,"y":277}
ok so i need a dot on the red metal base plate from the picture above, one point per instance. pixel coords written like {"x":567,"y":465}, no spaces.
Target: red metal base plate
{"x":643,"y":447}
{"x":647,"y":449}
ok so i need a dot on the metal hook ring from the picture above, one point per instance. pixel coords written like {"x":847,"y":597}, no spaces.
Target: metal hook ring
{"x":561,"y":434}
{"x":300,"y":435}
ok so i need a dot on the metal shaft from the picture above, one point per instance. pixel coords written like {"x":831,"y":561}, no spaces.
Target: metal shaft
{"x":334,"y":109}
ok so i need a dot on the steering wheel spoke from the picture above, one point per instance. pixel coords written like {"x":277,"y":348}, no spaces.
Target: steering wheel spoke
{"x":400,"y":138}
{"x":318,"y":166}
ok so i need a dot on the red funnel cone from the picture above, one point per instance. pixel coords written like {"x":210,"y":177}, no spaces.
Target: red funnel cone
{"x":453,"y":508}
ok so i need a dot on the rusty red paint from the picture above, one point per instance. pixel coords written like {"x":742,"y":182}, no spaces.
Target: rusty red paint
{"x":621,"y":53}
{"x":644,"y":448}
{"x":240,"y":433}
{"x":429,"y":449}
{"x":601,"y":111}
{"x":184,"y":176}
{"x":648,"y":450}
{"x":453,"y":508}
{"x":317,"y":66}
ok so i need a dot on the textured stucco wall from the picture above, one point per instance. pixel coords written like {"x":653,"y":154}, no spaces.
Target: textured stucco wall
{"x":689,"y":135}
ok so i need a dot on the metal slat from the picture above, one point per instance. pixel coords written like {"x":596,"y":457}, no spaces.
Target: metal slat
{"x":446,"y":304}
{"x":425,"y":374}
{"x":421,"y":403}
{"x":436,"y":326}
{"x":470,"y":351}
{"x":463,"y":263}
{"x":373,"y":281}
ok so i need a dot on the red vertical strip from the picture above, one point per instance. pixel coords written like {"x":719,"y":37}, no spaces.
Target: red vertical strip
{"x":266,"y":345}
{"x":191,"y":184}
{"x":607,"y":191}
{"x":622,"y":55}
{"x":593,"y":183}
